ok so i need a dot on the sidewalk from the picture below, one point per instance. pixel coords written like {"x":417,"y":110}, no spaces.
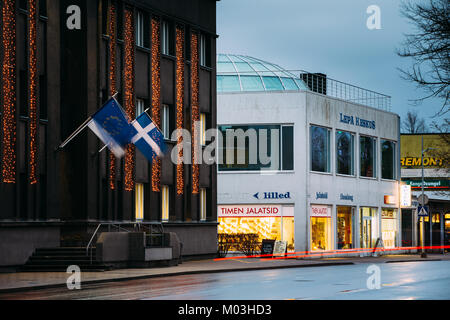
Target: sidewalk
{"x":22,"y":281}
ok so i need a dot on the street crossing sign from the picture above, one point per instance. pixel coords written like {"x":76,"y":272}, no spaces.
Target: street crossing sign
{"x":422,"y":211}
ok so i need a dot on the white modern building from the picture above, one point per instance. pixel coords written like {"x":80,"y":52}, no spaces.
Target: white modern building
{"x":336,"y":184}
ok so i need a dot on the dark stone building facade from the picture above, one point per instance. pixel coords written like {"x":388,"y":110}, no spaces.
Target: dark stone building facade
{"x":61,"y":60}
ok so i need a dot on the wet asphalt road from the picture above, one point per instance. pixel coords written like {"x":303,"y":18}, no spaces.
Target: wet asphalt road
{"x":405,"y":280}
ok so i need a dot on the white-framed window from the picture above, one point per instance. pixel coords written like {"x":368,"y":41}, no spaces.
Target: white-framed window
{"x":140,"y":23}
{"x":202,"y":129}
{"x":202,"y":53}
{"x":165,"y":121}
{"x":164,"y":203}
{"x":140,"y":107}
{"x":202,"y":204}
{"x":165,"y":38}
{"x":139,"y":200}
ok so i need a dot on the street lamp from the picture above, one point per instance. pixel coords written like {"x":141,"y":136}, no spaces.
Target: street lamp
{"x":423,"y":254}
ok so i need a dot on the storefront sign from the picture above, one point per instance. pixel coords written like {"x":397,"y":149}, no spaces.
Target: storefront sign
{"x":389,"y":199}
{"x":320,"y":211}
{"x":272,"y":195}
{"x":429,"y":184}
{"x":346,"y":197}
{"x":417,"y":162}
{"x":267,"y":246}
{"x":280,"y":248}
{"x":357,"y":121}
{"x":321,"y":195}
{"x":405,"y":195}
{"x":249,"y":211}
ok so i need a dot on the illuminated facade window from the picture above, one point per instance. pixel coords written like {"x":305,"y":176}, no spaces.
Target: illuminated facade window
{"x":203,"y":207}
{"x":389,"y":227}
{"x":321,"y":233}
{"x":202,"y":129}
{"x":344,"y":227}
{"x":165,"y":203}
{"x":368,"y":227}
{"x":139,"y":201}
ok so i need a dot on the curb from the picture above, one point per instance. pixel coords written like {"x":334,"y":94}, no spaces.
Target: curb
{"x":180,"y":273}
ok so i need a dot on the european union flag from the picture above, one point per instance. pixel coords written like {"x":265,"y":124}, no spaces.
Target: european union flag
{"x":112,"y":126}
{"x":147,"y":137}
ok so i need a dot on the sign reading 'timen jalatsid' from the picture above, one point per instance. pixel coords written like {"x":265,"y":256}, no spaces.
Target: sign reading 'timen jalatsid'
{"x":249,"y":211}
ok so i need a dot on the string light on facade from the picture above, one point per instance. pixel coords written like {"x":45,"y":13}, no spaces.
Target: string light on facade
{"x":32,"y":82}
{"x":179,"y":85}
{"x":156,"y":96}
{"x":9,"y":92}
{"x":129,"y":95}
{"x":112,"y":82}
{"x":195,"y":111}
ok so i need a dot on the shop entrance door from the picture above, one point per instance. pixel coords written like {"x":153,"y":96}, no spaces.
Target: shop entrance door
{"x":366,"y":236}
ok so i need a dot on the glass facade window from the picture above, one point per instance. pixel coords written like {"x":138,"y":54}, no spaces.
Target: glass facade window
{"x":140,"y":29}
{"x":320,"y":149}
{"x":139,"y":201}
{"x":140,"y":107}
{"x":252,"y":83}
{"x":344,"y":227}
{"x":228,"y":83}
{"x":272,"y":83}
{"x":345,"y":153}
{"x":367,"y":158}
{"x":202,"y":52}
{"x":321,"y":236}
{"x":368,"y":227}
{"x":389,"y":227}
{"x":165,"y":38}
{"x":202,"y":129}
{"x":165,"y":203}
{"x":387,"y":159}
{"x":257,"y":144}
{"x":202,"y":204}
{"x":165,"y":121}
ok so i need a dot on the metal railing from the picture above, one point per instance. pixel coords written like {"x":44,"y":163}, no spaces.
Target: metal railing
{"x":147,"y":227}
{"x":321,"y":83}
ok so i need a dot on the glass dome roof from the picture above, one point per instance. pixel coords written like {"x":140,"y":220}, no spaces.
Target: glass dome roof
{"x":244,"y":73}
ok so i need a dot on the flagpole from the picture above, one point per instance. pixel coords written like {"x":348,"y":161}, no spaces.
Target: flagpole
{"x":75,"y":133}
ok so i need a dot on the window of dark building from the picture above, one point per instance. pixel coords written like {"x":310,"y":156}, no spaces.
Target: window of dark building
{"x":105,"y":17}
{"x":367,"y":159}
{"x":187,"y":43}
{"x":387,"y":159}
{"x":119,"y":12}
{"x":43,"y":8}
{"x":142,"y":29}
{"x":167,"y":38}
{"x":23,"y":4}
{"x":205,"y":50}
{"x":320,"y":149}
{"x":43,"y":96}
{"x":23,"y":91}
{"x":287,"y":147}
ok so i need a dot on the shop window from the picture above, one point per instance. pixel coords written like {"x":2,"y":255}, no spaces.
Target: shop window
{"x":368,"y":227}
{"x":344,"y":227}
{"x":254,"y":148}
{"x":203,"y":207}
{"x":344,"y":152}
{"x":320,"y":149}
{"x":367,"y":159}
{"x":139,"y":201}
{"x":165,"y":203}
{"x":387,"y":159}
{"x":321,"y":230}
{"x":389,"y":227}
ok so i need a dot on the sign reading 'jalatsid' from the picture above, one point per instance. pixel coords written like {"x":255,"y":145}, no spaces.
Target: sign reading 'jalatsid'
{"x":249,"y":211}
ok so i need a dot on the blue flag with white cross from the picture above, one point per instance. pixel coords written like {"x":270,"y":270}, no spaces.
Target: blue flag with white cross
{"x":146,"y":136}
